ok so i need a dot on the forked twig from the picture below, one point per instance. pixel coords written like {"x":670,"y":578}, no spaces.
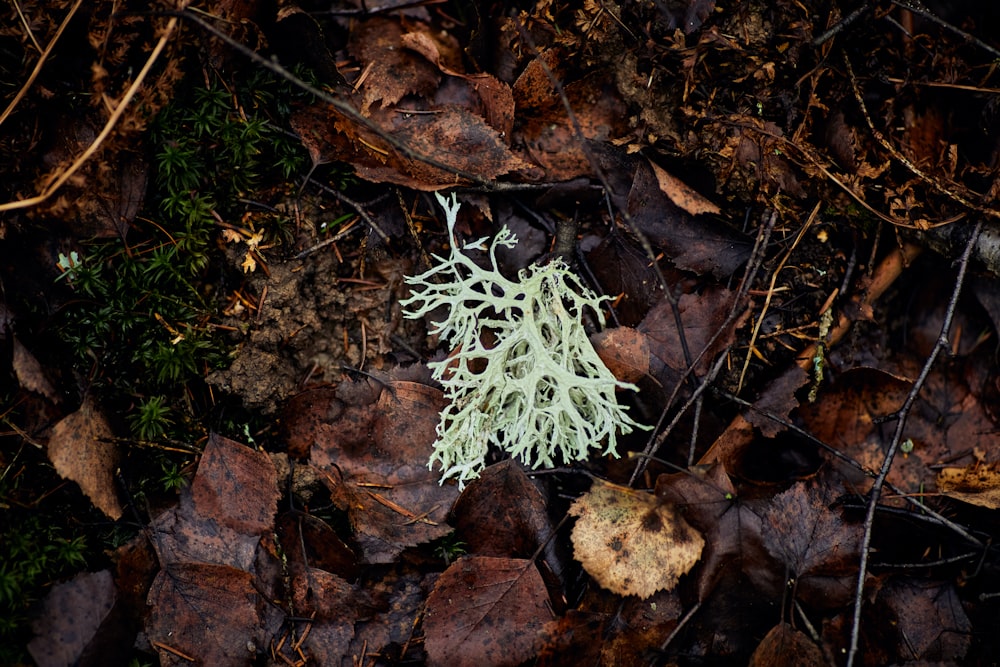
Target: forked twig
{"x":897,"y":438}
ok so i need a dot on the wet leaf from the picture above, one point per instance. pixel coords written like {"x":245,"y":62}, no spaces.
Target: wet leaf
{"x":375,"y":455}
{"x":486,"y":611}
{"x":697,"y":244}
{"x":930,"y":622}
{"x":630,"y":542}
{"x":71,"y":615}
{"x":236,"y":486}
{"x":814,"y":542}
{"x":501,"y":513}
{"x":30,"y":374}
{"x":82,"y":449}
{"x":207,"y":612}
{"x":784,"y":645}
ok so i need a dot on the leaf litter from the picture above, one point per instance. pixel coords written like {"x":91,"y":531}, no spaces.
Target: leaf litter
{"x":342,"y":546}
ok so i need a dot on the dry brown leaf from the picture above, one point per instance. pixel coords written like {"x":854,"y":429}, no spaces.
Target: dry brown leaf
{"x":976,"y":484}
{"x":82,"y":449}
{"x":630,"y":542}
{"x":30,"y":374}
{"x":681,"y":193}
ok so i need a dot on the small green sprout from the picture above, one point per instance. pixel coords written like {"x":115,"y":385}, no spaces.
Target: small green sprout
{"x":544,"y":396}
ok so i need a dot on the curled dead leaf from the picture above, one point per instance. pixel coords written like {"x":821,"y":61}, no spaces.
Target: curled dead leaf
{"x":630,"y":542}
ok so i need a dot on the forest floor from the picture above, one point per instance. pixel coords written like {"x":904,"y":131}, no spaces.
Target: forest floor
{"x":218,"y":417}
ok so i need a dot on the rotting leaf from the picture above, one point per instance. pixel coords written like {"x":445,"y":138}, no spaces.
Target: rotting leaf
{"x":624,"y":351}
{"x":698,"y":244}
{"x":375,"y":456}
{"x":207,"y":612}
{"x":501,"y":513}
{"x":71,"y":616}
{"x":236,"y":486}
{"x":486,"y":611}
{"x":631,"y":542}
{"x":784,"y":645}
{"x":816,"y":544}
{"x":976,"y":484}
{"x":702,"y":315}
{"x":182,"y":535}
{"x":334,"y":606}
{"x":81,"y":448}
{"x":391,"y":72}
{"x":730,"y":526}
{"x":622,"y":268}
{"x":930,"y":623}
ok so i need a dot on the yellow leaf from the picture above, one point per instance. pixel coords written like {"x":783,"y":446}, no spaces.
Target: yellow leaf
{"x":630,"y":542}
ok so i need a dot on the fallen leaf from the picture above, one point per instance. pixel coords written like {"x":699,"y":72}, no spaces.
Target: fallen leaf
{"x":30,"y":374}
{"x":784,"y":645}
{"x":681,"y":193}
{"x":817,"y":546}
{"x":624,"y":351}
{"x":236,"y":486}
{"x":700,"y":244}
{"x":930,"y":623}
{"x":82,"y":449}
{"x":210,"y":613}
{"x":71,"y":615}
{"x":976,"y":484}
{"x":375,"y":454}
{"x":486,"y":611}
{"x":631,"y":542}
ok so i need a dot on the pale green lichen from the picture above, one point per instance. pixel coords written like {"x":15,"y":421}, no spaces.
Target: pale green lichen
{"x":535,"y":387}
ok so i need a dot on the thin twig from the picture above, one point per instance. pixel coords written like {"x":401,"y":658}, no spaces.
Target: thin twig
{"x":112,"y":121}
{"x":41,"y":61}
{"x":897,"y":438}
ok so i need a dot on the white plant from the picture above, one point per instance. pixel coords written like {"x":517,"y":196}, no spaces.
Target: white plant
{"x":534,"y":386}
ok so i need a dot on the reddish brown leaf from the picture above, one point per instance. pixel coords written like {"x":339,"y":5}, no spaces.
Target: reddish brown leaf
{"x":392,"y":72}
{"x":82,"y":449}
{"x":778,"y":400}
{"x":624,"y":351}
{"x":182,"y":535}
{"x":700,"y":244}
{"x":502,"y":513}
{"x":622,"y":268}
{"x":784,"y":645}
{"x":210,"y":613}
{"x":236,"y":486}
{"x":702,"y":315}
{"x":334,"y":605}
{"x":486,"y":611}
{"x":930,"y":621}
{"x":377,"y":470}
{"x":731,"y":527}
{"x":816,"y":544}
{"x":71,"y":615}
{"x":976,"y":484}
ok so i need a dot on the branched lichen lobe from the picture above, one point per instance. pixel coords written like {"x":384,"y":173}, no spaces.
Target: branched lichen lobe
{"x":535,"y":388}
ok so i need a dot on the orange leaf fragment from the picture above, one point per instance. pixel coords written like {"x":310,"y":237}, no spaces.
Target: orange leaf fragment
{"x":682,"y":194}
{"x":976,"y":484}
{"x":630,"y":542}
